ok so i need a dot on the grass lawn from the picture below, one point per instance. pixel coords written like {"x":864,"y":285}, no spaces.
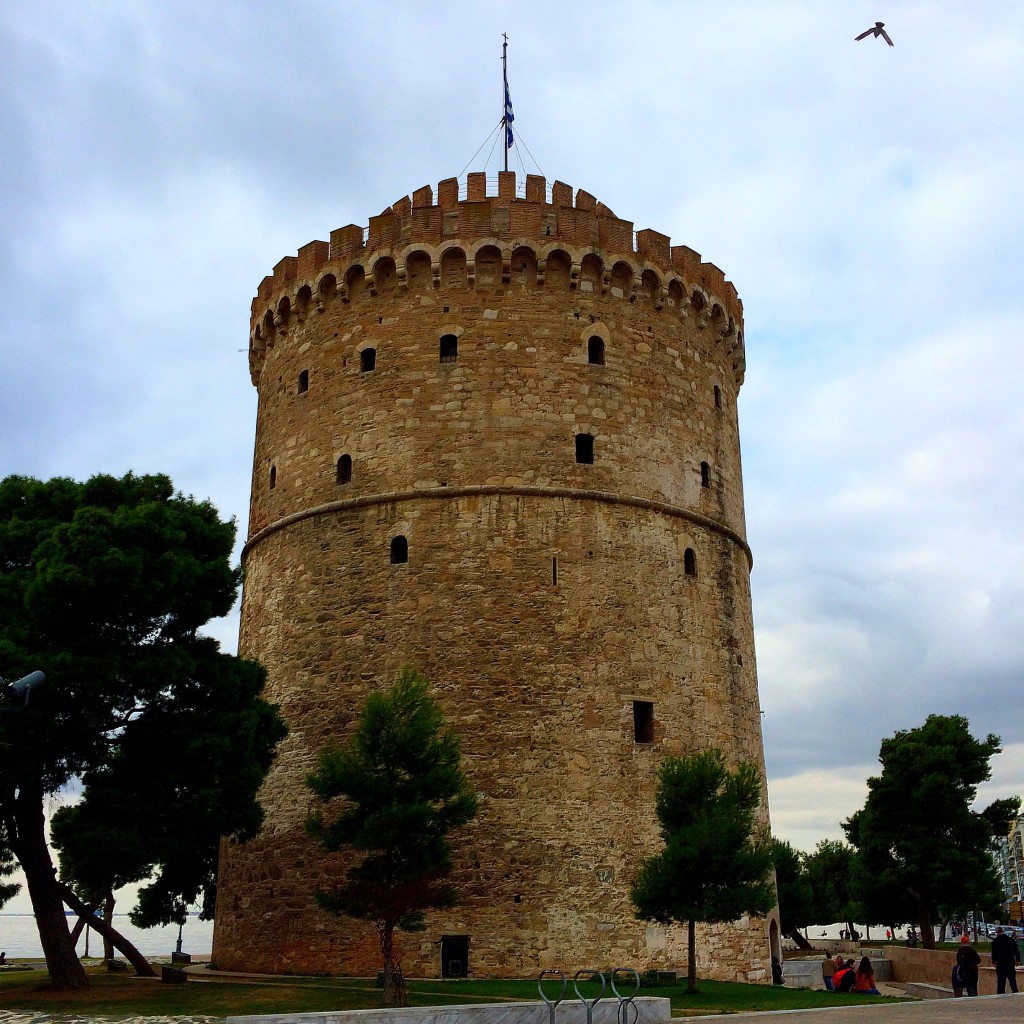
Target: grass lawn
{"x":120,"y":995}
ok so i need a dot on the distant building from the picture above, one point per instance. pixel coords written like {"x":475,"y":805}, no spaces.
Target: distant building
{"x":1009,"y":860}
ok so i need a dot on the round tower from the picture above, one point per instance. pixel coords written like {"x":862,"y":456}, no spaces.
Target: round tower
{"x":497,"y":441}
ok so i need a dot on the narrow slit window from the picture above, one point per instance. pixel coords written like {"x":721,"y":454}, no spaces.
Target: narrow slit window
{"x":449,"y":348}
{"x":585,"y":449}
{"x":705,"y":475}
{"x":595,"y":351}
{"x":303,"y":382}
{"x":344,"y":470}
{"x":399,"y":550}
{"x":690,"y":562}
{"x":367,"y":360}
{"x":273,"y":477}
{"x":718,"y":397}
{"x":643,"y":721}
{"x":554,"y":572}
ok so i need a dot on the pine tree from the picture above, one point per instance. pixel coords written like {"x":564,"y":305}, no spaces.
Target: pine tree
{"x":717,"y":862}
{"x":401,"y":777}
{"x":104,"y":587}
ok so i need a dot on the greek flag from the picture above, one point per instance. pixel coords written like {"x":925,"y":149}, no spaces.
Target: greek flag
{"x":509,"y":118}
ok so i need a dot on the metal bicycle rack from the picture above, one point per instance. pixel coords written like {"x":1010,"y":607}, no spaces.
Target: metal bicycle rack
{"x":552,"y":1004}
{"x":588,"y":974}
{"x":628,"y":1012}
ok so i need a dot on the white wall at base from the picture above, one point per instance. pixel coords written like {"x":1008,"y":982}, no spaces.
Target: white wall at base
{"x":651,"y":1010}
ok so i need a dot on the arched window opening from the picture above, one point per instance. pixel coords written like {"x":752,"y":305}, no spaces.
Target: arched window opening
{"x":367,"y":360}
{"x":690,"y":562}
{"x":705,"y":475}
{"x":328,"y":289}
{"x":591,"y":271}
{"x":344,"y":469}
{"x":273,"y":477}
{"x":399,"y":550}
{"x":558,"y":269}
{"x":488,"y":267}
{"x":303,"y":382}
{"x":718,"y":397}
{"x":385,"y":275}
{"x":418,"y":272}
{"x":622,"y":280}
{"x":355,"y":279}
{"x":449,"y":348}
{"x":585,"y":449}
{"x":524,"y":267}
{"x":595,"y":351}
{"x":453,"y":268}
{"x":643,"y":721}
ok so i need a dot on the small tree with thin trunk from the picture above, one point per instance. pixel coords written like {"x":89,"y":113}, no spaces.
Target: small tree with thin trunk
{"x":717,"y":861}
{"x":796,"y":898}
{"x":401,"y":778}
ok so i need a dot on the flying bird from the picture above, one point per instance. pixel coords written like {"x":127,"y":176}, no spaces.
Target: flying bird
{"x":878,"y":30}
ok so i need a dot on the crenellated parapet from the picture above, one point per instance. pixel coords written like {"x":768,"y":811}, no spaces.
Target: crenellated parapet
{"x":496,"y":233}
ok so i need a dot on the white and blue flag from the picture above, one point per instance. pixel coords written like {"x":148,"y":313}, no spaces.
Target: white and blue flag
{"x":509,"y":118}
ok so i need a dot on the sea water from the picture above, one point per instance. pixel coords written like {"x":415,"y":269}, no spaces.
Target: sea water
{"x":19,"y":937}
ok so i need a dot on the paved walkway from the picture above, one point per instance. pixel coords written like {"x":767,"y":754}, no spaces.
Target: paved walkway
{"x":980,"y":1010}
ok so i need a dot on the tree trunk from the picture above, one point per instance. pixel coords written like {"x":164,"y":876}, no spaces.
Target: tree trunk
{"x":943,"y":925}
{"x":691,"y":952}
{"x":108,"y":920}
{"x":76,"y":932}
{"x":132,"y":955}
{"x":802,"y":943}
{"x":924,"y":920}
{"x":395,"y":993}
{"x":29,"y":846}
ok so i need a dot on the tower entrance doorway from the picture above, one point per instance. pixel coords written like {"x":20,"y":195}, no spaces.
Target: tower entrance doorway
{"x":454,"y":956}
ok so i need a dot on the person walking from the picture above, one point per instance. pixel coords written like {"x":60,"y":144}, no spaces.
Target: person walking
{"x":1005,"y":956}
{"x":828,"y":970}
{"x":967,"y":960}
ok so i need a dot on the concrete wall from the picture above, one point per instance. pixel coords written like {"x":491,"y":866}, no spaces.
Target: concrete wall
{"x":935,"y":966}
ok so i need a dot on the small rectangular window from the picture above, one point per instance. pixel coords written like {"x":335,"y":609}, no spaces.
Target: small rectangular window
{"x":643,"y":721}
{"x":554,"y":572}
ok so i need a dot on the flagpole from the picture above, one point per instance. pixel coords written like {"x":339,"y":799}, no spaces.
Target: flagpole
{"x":504,"y":96}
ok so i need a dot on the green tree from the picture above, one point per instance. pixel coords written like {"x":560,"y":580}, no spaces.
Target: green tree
{"x":401,"y":778}
{"x":104,"y":586}
{"x":716,"y":864}
{"x":830,"y":872}
{"x":917,"y":832}
{"x":796,"y":899}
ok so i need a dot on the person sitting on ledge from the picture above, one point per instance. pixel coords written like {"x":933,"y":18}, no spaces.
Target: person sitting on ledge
{"x":777,"y":978}
{"x":866,"y":978}
{"x":846,"y":978}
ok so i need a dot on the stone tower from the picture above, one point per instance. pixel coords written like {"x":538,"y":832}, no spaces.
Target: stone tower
{"x":497,"y":441}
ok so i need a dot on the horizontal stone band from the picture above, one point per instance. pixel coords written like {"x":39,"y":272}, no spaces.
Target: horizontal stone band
{"x":514,"y":490}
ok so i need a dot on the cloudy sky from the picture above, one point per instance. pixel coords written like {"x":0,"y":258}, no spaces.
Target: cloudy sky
{"x":160,"y":157}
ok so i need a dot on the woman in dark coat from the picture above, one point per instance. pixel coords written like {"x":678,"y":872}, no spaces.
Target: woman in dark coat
{"x":968,"y":960}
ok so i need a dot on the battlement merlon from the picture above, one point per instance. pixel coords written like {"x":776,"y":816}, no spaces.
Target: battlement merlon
{"x":507,"y":210}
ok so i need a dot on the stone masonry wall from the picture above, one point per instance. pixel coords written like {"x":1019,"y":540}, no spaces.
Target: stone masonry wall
{"x":542,"y":597}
